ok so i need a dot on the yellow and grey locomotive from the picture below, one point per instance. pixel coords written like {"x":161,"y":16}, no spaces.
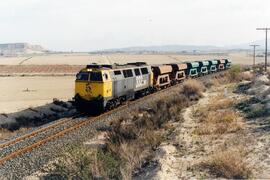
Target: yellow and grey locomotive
{"x":101,"y":87}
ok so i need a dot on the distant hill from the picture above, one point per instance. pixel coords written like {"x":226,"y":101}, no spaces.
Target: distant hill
{"x":184,"y":48}
{"x":11,"y":49}
{"x":247,"y":45}
{"x":165,"y":48}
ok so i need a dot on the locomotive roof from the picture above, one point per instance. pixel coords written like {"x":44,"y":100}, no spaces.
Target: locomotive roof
{"x":116,"y":66}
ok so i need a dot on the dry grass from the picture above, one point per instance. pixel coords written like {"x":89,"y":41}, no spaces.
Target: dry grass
{"x":220,"y":122}
{"x":132,"y":139}
{"x":81,"y":162}
{"x":220,"y":102}
{"x":217,"y":117}
{"x":233,"y":74}
{"x":229,"y":164}
{"x":193,"y":89}
{"x":75,"y":163}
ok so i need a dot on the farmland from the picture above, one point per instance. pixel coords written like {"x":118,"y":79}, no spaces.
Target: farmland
{"x":28,"y":81}
{"x":84,"y":58}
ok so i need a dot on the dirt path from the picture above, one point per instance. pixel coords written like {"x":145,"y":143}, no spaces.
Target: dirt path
{"x":176,"y":157}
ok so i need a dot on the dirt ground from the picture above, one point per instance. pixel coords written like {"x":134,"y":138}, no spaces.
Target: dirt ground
{"x":183,"y":156}
{"x":18,"y":93}
{"x":38,"y":69}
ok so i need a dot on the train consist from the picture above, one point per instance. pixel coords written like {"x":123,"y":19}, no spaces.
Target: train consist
{"x":103,"y":87}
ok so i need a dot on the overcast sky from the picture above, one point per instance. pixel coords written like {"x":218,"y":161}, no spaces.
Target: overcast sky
{"x":84,"y":25}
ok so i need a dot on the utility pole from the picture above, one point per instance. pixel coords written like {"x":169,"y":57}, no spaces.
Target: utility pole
{"x":254,"y":53}
{"x":265,"y":29}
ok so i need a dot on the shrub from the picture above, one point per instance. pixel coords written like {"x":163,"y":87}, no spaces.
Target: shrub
{"x":219,"y":103}
{"x":75,"y":163}
{"x":234,"y":73}
{"x":80,"y":162}
{"x":192,"y":89}
{"x":257,"y":112}
{"x":217,"y":117}
{"x":229,"y":164}
{"x":108,"y":165}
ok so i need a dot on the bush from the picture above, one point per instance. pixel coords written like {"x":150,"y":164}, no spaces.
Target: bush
{"x":257,"y":112}
{"x":218,"y":123}
{"x":192,"y":89}
{"x":219,"y":103}
{"x":75,"y":163}
{"x":234,"y":73}
{"x":229,"y":164}
{"x":108,"y":165}
{"x":80,"y":162}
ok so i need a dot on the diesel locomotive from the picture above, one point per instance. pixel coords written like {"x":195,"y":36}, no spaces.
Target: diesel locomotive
{"x":100,"y":87}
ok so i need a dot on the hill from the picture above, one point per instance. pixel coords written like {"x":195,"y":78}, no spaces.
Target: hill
{"x":11,"y":49}
{"x":164,"y":48}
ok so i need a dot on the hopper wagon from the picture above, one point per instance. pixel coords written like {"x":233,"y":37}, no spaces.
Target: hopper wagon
{"x":203,"y":68}
{"x":212,"y":66}
{"x":162,"y":76}
{"x":228,"y":63}
{"x":221,"y":64}
{"x":178,"y":72}
{"x":192,"y":69}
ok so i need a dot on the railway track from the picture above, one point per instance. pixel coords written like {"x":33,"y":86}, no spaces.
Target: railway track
{"x":28,"y":142}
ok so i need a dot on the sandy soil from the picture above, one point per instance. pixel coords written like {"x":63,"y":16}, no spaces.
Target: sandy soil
{"x":175,"y":163}
{"x":41,"y":90}
{"x":39,"y":69}
{"x":180,"y":158}
{"x":83,"y":58}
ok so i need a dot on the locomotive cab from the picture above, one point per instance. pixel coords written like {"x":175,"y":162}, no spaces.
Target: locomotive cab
{"x":93,"y":87}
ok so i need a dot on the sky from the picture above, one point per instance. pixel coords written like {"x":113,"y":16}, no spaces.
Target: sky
{"x":88,"y":25}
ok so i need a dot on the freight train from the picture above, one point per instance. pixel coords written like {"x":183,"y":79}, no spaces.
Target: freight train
{"x":101,"y":87}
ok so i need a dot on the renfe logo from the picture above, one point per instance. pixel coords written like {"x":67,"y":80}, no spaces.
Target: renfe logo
{"x":140,"y":82}
{"x":88,"y":88}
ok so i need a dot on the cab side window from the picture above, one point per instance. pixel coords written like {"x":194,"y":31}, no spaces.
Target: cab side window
{"x":128,"y":73}
{"x":144,"y":70}
{"x":117,"y":72}
{"x":105,"y":76}
{"x":137,"y":72}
